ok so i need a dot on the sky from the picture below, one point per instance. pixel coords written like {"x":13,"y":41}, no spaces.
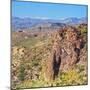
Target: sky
{"x":47,"y":10}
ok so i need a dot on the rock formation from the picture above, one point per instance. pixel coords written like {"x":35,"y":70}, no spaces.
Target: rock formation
{"x":46,"y":57}
{"x":65,"y":51}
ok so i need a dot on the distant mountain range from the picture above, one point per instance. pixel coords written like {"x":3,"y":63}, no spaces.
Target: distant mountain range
{"x":27,"y":23}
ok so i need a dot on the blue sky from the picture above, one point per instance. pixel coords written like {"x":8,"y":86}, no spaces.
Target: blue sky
{"x":47,"y":10}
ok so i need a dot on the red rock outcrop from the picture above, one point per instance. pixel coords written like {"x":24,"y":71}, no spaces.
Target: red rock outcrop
{"x":65,"y":51}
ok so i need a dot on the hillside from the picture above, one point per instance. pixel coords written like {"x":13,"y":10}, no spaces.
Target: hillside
{"x":49,"y":58}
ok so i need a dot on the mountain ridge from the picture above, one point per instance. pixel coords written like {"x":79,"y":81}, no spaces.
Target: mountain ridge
{"x":27,"y":23}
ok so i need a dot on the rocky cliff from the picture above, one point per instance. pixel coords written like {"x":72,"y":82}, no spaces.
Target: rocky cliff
{"x":51,"y":60}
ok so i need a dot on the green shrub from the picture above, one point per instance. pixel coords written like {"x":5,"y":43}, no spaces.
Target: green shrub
{"x":21,"y":72}
{"x":84,"y":30}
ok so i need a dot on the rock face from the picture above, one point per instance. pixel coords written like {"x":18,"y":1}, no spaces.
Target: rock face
{"x":65,"y":52}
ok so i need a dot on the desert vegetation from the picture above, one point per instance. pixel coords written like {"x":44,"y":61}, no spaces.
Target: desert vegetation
{"x":49,"y":58}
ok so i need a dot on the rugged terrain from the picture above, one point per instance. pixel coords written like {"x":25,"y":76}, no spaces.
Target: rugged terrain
{"x":32,"y":23}
{"x":49,"y":58}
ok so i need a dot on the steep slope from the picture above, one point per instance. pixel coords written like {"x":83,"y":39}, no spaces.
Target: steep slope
{"x":58,"y":58}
